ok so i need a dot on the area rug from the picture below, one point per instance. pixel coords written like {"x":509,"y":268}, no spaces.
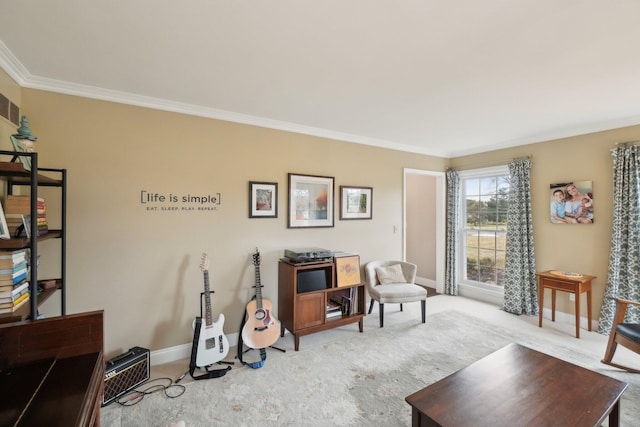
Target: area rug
{"x":351,"y":379}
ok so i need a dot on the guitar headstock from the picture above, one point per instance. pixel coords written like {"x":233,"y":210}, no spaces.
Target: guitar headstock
{"x":256,"y":257}
{"x":204,"y":263}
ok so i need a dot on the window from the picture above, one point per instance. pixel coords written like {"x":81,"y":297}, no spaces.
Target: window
{"x":484,"y":229}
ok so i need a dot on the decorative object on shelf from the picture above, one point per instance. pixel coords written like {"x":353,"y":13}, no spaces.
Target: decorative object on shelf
{"x":356,"y":202}
{"x":263,"y":199}
{"x":4,"y":229}
{"x":348,"y":270}
{"x":310,"y":201}
{"x":23,"y":142}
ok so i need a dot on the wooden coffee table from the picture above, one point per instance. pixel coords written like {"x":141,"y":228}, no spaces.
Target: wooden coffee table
{"x":518,"y":386}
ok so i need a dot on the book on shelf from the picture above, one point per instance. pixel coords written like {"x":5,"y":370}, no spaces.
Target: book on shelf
{"x":15,"y":306}
{"x":16,"y":204}
{"x":11,"y":259}
{"x":13,"y":278}
{"x":17,"y":268}
{"x":334,"y":313}
{"x":14,"y":292}
{"x":15,"y":302}
{"x":18,"y":215}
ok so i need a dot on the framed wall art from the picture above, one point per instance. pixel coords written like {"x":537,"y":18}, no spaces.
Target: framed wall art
{"x":571,"y":202}
{"x":356,"y":202}
{"x":263,"y":199}
{"x":310,"y":201}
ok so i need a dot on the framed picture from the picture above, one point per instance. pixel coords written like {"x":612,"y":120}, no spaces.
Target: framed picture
{"x":20,"y":147}
{"x":4,"y":229}
{"x":310,"y":201}
{"x":263,"y":199}
{"x":571,"y":202}
{"x":356,"y":202}
{"x":348,"y":270}
{"x":26,"y":223}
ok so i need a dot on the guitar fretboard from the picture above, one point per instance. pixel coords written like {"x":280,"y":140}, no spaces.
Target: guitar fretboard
{"x":207,"y":300}
{"x":256,"y":263}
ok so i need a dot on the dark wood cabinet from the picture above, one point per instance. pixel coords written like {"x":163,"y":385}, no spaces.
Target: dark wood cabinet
{"x":308,"y":296}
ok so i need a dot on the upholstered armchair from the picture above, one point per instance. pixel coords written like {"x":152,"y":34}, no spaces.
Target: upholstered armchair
{"x":393,"y":282}
{"x":626,"y":334}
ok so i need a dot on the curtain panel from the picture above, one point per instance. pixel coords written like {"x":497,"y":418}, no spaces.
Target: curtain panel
{"x":520,"y":288}
{"x":623,"y":278}
{"x":453,"y":214}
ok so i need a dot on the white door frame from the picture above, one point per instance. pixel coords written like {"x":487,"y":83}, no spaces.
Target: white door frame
{"x":440,"y":208}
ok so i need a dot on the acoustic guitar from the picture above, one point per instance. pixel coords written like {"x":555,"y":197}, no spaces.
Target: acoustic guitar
{"x":213,"y":345}
{"x":261,"y":329}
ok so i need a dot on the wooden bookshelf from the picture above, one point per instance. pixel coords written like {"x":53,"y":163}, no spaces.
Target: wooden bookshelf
{"x":19,"y":181}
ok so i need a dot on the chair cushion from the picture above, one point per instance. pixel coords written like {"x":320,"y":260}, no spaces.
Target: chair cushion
{"x":398,"y":293}
{"x":390,"y":274}
{"x":630,"y":331}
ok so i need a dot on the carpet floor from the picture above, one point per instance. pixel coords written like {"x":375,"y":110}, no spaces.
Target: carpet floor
{"x":344,"y":378}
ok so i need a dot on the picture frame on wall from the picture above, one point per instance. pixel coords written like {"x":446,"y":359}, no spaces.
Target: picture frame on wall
{"x":263,"y":199}
{"x":310,"y":201}
{"x":356,"y":202}
{"x":571,"y":202}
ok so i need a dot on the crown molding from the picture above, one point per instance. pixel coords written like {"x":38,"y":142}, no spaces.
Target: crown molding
{"x":24,"y":78}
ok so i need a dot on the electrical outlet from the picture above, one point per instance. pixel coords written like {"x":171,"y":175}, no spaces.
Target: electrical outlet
{"x":572,"y":297}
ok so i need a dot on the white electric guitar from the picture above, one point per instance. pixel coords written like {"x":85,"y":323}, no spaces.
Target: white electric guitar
{"x":213,"y":345}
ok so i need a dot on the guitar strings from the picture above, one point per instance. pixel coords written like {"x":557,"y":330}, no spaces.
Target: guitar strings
{"x":164,"y":384}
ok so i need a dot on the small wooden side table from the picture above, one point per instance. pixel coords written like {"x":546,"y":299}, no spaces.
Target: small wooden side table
{"x":556,"y":281}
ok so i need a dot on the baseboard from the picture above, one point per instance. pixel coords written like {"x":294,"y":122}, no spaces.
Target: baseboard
{"x":480,"y":294}
{"x":182,"y":351}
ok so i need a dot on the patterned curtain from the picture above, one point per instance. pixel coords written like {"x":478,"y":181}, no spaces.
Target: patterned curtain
{"x":520,"y":290}
{"x":453,"y":213}
{"x":623,"y":279}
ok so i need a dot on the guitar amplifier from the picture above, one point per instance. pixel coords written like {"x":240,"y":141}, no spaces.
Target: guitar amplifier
{"x":124,"y":372}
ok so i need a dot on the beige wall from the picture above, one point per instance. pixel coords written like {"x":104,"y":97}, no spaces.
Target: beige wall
{"x":143,"y":267}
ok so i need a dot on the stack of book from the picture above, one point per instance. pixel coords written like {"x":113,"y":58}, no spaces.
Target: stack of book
{"x":334,"y":309}
{"x":14,"y":287}
{"x":18,"y":215}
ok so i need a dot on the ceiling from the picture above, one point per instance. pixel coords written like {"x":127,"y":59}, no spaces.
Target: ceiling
{"x":445,"y":78}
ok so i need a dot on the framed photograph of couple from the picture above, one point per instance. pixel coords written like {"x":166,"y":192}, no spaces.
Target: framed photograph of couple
{"x":263,"y":199}
{"x":310,"y":201}
{"x":356,"y":202}
{"x":571,"y":202}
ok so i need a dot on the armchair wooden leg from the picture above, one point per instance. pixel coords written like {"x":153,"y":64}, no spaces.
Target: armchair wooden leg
{"x":401,"y":307}
{"x":370,"y":306}
{"x":423,"y":306}
{"x":611,"y":348}
{"x":381,"y":309}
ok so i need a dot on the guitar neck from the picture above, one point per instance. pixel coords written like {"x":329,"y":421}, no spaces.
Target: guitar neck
{"x":207,"y":300}
{"x":258,"y":287}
